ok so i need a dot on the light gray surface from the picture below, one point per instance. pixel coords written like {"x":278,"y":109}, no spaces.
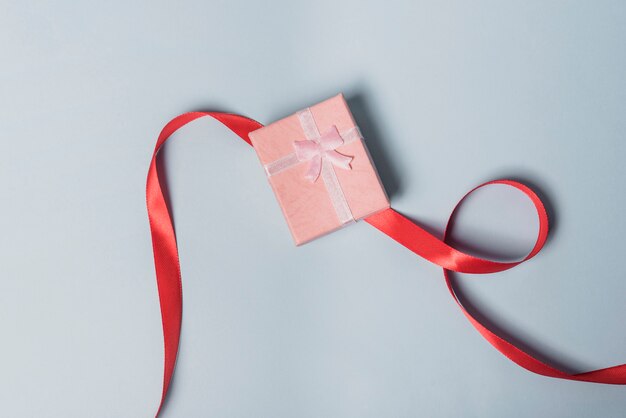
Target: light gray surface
{"x":449,"y":94}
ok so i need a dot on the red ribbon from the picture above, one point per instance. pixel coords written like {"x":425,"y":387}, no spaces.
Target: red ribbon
{"x":389,"y":222}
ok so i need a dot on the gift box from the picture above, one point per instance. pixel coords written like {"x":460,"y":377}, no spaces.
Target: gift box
{"x":320,"y":170}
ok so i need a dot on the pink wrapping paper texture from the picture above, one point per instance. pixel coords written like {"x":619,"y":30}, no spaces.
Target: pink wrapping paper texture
{"x":307,"y":206}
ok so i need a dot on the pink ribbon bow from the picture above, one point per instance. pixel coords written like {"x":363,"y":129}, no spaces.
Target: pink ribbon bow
{"x":316,"y":150}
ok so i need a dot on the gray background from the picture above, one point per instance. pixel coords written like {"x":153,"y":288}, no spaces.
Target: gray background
{"x":449,"y":94}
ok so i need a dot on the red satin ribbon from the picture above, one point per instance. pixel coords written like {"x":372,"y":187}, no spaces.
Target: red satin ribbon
{"x":389,"y":222}
{"x":164,"y":238}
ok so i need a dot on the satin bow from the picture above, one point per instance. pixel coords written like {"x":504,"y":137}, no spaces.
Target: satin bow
{"x":316,"y":150}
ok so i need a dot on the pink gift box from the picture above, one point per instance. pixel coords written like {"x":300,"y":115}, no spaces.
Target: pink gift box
{"x":319,"y":169}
